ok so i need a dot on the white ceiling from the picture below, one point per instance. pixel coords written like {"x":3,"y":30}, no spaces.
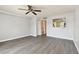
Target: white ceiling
{"x":46,"y":9}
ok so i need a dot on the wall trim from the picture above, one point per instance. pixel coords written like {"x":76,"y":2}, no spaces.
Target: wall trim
{"x":61,"y":37}
{"x":14,"y":38}
{"x":76,"y":46}
{"x":30,"y":35}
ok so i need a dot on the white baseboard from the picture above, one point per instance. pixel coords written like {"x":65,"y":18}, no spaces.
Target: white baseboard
{"x":13,"y":38}
{"x":76,"y":45}
{"x":33,"y":35}
{"x":61,"y":37}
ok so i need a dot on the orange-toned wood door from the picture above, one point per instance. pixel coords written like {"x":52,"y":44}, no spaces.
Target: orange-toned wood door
{"x":43,"y":27}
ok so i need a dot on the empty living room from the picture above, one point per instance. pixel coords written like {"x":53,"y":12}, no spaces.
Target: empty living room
{"x":39,"y":29}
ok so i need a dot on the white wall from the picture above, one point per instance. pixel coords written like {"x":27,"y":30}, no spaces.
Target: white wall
{"x":39,"y":27}
{"x":33,"y":26}
{"x":67,"y":32}
{"x":76,"y":28}
{"x":13,"y":27}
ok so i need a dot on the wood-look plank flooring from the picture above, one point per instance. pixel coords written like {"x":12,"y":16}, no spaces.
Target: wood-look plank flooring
{"x":38,"y":45}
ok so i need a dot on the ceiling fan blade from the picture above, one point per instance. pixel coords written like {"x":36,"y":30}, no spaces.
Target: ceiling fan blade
{"x":29,"y":7}
{"x":27,"y":12}
{"x":21,"y":9}
{"x":34,"y":13}
{"x":37,"y":10}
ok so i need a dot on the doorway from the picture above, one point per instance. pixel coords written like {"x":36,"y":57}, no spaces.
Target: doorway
{"x":43,"y":27}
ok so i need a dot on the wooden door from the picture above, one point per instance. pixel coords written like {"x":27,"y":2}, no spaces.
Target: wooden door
{"x":43,"y":27}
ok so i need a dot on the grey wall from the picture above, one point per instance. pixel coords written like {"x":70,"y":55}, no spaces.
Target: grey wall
{"x":13,"y":26}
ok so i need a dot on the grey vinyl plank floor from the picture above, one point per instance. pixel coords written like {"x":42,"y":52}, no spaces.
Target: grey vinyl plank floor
{"x":38,"y":45}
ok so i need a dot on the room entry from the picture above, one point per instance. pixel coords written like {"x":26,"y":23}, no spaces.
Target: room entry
{"x":43,"y":27}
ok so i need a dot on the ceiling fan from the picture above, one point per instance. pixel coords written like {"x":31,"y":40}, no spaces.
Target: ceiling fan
{"x":30,"y":9}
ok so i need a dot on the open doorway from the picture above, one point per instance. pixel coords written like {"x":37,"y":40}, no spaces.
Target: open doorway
{"x":43,"y":27}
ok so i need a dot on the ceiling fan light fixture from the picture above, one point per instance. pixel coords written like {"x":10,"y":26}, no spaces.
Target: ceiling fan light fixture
{"x":30,"y":9}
